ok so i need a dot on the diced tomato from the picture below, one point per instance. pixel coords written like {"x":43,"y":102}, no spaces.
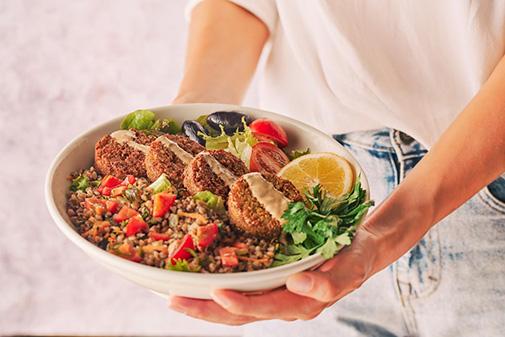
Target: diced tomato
{"x":124,"y":214}
{"x":96,"y":205}
{"x":159,"y":236}
{"x":129,"y":180}
{"x":205,"y":235}
{"x":267,"y":158}
{"x":182,"y":251}
{"x":110,"y":181}
{"x":135,"y":224}
{"x":265,"y":129}
{"x":162,"y":203}
{"x":228,"y":256}
{"x":112,"y":206}
{"x":127,"y":251}
{"x":117,"y":191}
{"x":240,"y":248}
{"x":105,"y":190}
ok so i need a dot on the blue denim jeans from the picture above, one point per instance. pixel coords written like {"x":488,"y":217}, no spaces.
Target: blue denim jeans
{"x":452,"y":283}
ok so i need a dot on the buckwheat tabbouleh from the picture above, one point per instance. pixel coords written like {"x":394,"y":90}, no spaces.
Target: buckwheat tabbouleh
{"x":95,"y":216}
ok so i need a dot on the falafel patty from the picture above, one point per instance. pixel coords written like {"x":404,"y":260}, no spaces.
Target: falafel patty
{"x":257,"y":201}
{"x":170,"y":154}
{"x":213,"y":171}
{"x":122,"y":153}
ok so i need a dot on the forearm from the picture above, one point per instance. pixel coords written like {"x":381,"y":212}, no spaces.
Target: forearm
{"x":468,"y":156}
{"x":224,"y":45}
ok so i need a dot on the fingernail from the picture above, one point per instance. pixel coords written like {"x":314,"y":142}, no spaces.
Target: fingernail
{"x":221,"y":300}
{"x":300,"y":283}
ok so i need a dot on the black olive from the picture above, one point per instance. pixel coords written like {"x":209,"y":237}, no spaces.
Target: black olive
{"x":192,"y":130}
{"x":230,"y":120}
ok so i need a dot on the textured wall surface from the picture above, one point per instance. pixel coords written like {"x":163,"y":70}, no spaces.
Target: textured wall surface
{"x":65,"y":66}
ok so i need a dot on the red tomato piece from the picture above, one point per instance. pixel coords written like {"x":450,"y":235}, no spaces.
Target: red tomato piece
{"x":110,"y":181}
{"x":112,"y":206}
{"x":182,"y":251}
{"x":162,"y":203}
{"x":159,"y":236}
{"x":241,"y":248}
{"x":96,"y":205}
{"x":267,"y":158}
{"x":117,"y":191}
{"x":265,"y":129}
{"x":205,"y":235}
{"x":228,"y":256}
{"x":129,"y":180}
{"x":135,"y":224}
{"x":124,"y":214}
{"x":105,"y":190}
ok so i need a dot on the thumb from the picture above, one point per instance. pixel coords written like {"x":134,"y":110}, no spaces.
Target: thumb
{"x":317,"y":285}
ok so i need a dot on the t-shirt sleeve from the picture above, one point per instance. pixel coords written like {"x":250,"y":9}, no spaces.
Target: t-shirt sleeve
{"x":265,"y":10}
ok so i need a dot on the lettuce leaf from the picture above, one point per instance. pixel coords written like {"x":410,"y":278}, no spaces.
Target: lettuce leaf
{"x":239,"y":144}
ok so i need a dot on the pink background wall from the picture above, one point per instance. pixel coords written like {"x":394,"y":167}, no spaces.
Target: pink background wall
{"x":65,"y":66}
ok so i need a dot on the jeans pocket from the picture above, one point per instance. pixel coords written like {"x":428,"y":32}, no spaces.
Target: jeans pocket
{"x":494,"y":194}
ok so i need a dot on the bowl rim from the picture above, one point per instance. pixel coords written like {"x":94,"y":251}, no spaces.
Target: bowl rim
{"x":158,"y":273}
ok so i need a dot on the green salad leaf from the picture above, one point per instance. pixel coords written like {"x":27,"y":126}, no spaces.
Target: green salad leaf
{"x":80,"y":183}
{"x":203,"y":122}
{"x":139,"y":119}
{"x":146,"y":120}
{"x":213,"y":201}
{"x":239,"y":144}
{"x":323,"y":224}
{"x":166,"y":125}
{"x":298,"y":153}
{"x":161,"y":184}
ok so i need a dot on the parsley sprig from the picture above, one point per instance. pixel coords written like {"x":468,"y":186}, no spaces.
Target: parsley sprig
{"x":323,"y":224}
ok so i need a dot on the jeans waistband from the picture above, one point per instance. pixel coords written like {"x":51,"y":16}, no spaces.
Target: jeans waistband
{"x":384,"y":139}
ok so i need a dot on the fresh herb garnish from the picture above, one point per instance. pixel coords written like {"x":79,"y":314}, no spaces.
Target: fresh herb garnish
{"x":323,"y":224}
{"x":182,"y":265}
{"x":80,"y":183}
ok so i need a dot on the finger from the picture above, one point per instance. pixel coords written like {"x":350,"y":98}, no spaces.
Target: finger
{"x":207,"y":310}
{"x":276,"y":304}
{"x":333,"y":280}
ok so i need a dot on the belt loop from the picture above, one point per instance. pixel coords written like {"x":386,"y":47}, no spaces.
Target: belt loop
{"x":396,"y":143}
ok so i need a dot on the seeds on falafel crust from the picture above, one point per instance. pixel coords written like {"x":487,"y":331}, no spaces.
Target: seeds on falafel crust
{"x":213,"y":171}
{"x":168,"y":154}
{"x":249,"y":214}
{"x":122,"y":153}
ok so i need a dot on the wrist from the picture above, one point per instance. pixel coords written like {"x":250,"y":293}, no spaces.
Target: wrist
{"x":395,"y":226}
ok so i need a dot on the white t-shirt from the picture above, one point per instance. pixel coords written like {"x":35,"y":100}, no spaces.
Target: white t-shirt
{"x":353,"y":65}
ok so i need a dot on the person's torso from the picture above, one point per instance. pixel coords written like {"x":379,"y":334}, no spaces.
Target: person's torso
{"x":409,"y":65}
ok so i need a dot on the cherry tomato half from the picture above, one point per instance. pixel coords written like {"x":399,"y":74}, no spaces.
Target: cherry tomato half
{"x":267,"y":158}
{"x":265,"y":129}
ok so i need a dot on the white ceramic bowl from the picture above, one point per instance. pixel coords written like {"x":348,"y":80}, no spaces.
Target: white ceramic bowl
{"x":79,"y":154}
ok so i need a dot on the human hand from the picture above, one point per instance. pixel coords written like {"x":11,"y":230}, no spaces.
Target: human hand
{"x":306,"y":294}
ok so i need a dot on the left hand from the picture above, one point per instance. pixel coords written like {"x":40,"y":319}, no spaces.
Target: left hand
{"x":306,"y":294}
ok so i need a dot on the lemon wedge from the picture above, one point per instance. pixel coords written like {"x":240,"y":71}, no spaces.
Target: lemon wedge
{"x":334,"y":173}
